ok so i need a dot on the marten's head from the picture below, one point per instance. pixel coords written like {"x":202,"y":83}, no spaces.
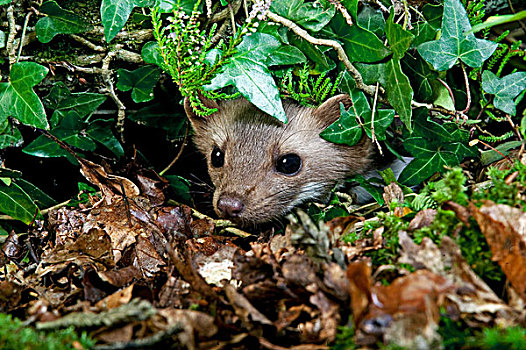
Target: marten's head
{"x":262,"y":168}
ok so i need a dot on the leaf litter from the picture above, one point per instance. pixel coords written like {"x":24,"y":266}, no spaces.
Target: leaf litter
{"x":134,"y":272}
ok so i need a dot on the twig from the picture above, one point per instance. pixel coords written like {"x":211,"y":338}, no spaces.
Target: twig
{"x":343,"y":11}
{"x":178,"y":153}
{"x":448,"y":90}
{"x":21,"y":44}
{"x":55,"y":207}
{"x":88,"y":43}
{"x":468,"y":92}
{"x":106,"y":74}
{"x":373,"y":112}
{"x":232,"y":19}
{"x":520,"y":21}
{"x":514,"y":127}
{"x":10,"y":47}
{"x":223,"y":14}
{"x":370,"y":90}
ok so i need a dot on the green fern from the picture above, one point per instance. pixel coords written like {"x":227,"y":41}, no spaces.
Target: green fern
{"x":307,"y":89}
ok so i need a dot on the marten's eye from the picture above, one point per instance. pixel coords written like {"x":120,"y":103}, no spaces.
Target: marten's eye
{"x":217,"y":157}
{"x":289,"y":164}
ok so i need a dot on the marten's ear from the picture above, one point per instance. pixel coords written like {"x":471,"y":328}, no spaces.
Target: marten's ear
{"x":196,"y":120}
{"x":329,"y":111}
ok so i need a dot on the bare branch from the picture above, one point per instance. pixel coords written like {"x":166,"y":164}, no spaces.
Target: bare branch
{"x":369,"y":89}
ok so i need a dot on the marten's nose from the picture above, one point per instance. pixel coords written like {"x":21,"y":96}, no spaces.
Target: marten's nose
{"x":230,"y":207}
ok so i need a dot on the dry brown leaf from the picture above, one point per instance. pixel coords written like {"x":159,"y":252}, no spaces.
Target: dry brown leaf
{"x":505,"y":230}
{"x":194,"y":323}
{"x":248,"y":314}
{"x":112,"y":187}
{"x":116,"y":299}
{"x":146,"y":258}
{"x":423,"y":218}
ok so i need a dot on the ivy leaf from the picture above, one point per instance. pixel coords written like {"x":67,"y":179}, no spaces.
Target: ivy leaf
{"x":421,"y":76}
{"x":422,"y":168}
{"x":399,"y":90}
{"x":69,"y":131}
{"x":455,"y":44}
{"x":16,"y":203}
{"x":62,"y":101}
{"x":360,"y":106}
{"x":398,"y":38}
{"x":382,"y":119}
{"x":251,"y":77}
{"x":181,"y":187}
{"x":17,"y":98}
{"x":505,"y":89}
{"x":150,"y":54}
{"x":313,"y":52}
{"x":345,"y":130}
{"x":58,"y":21}
{"x":100,"y":131}
{"x":286,"y":55}
{"x":359,"y":44}
{"x":156,"y":116}
{"x":38,"y":196}
{"x":434,"y":146}
{"x":115,"y":13}
{"x":142,"y":81}
{"x":9,"y":135}
{"x":371,"y":20}
{"x":312,"y":16}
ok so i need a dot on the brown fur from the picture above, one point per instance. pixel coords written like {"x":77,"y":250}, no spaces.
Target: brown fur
{"x":252,"y":141}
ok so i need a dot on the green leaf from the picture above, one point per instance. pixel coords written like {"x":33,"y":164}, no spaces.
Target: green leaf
{"x":38,"y":196}
{"x":5,"y":2}
{"x":313,"y":52}
{"x":345,"y":130}
{"x":58,"y":21}
{"x":17,"y":98}
{"x":420,"y":75}
{"x":310,"y":15}
{"x":142,"y":81}
{"x":115,"y":13}
{"x":398,"y":89}
{"x":375,"y":191}
{"x":181,"y":187}
{"x":372,"y":20}
{"x":286,"y":55}
{"x":150,"y":53}
{"x":382,"y":120}
{"x":423,"y":32}
{"x":156,"y":116}
{"x":433,"y":14}
{"x":251,"y":77}
{"x":62,"y":101}
{"x":398,"y":38}
{"x":434,"y":146}
{"x":455,"y":44}
{"x":360,"y":106}
{"x":69,"y":131}
{"x":2,"y":39}
{"x":9,"y":135}
{"x":396,"y":83}
{"x":17,"y":204}
{"x":359,"y":44}
{"x":422,"y":168}
{"x":100,"y":131}
{"x":505,"y":89}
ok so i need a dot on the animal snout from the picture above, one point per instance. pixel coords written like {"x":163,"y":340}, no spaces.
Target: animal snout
{"x":230,"y":207}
